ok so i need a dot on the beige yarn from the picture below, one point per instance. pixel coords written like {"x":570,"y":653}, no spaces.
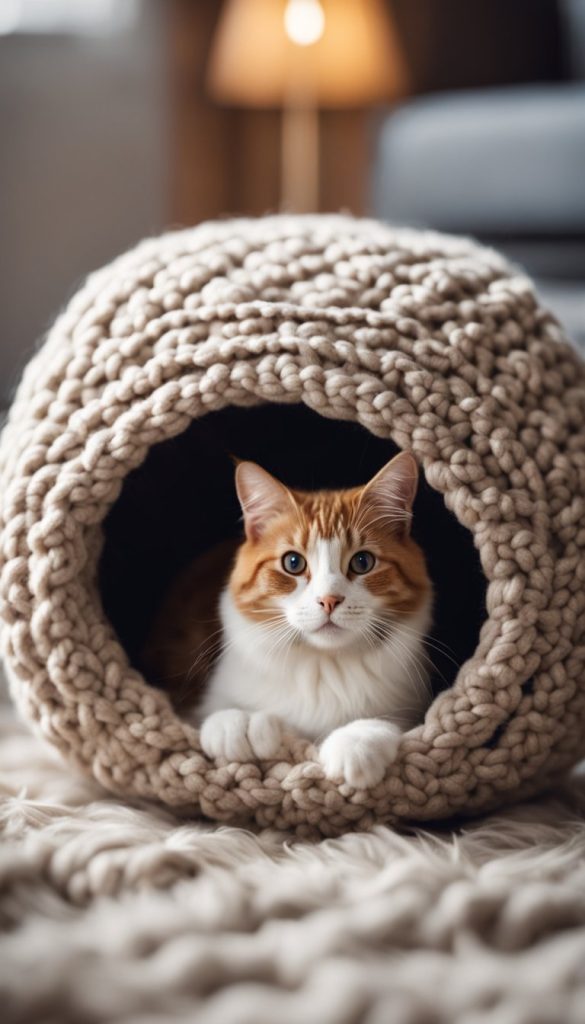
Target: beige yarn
{"x":428,"y":340}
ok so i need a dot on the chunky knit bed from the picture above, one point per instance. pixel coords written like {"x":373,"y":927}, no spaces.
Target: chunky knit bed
{"x":428,"y":342}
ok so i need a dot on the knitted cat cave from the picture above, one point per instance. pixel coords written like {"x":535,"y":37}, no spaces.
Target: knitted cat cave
{"x":430,"y":342}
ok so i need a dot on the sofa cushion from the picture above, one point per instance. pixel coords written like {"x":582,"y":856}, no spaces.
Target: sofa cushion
{"x":494,"y":161}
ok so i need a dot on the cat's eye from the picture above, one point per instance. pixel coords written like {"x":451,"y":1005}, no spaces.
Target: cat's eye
{"x":294,"y":563}
{"x":362,"y":562}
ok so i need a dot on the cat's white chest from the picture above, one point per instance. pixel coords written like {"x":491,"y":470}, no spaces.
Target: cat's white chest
{"x":314,"y":691}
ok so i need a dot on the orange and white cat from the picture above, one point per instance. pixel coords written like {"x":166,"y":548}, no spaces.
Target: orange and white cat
{"x":323,"y":621}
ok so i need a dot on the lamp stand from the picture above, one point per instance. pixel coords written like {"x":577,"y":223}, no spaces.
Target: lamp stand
{"x":299,"y":173}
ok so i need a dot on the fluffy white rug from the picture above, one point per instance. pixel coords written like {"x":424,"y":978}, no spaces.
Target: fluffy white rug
{"x":123,"y":913}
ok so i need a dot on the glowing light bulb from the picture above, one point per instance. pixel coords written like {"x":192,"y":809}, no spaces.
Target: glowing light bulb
{"x":304,"y":21}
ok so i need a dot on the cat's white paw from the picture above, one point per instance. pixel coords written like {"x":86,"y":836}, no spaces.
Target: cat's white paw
{"x":225,"y":734}
{"x":265,"y":734}
{"x":360,"y":752}
{"x":241,"y":736}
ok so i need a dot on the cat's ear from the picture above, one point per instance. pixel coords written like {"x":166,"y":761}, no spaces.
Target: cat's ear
{"x":389,"y":496}
{"x":261,"y":497}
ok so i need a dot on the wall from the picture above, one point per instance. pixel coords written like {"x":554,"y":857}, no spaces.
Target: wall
{"x":83,"y":167}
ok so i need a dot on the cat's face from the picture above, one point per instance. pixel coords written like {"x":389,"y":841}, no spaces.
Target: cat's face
{"x":335,"y":568}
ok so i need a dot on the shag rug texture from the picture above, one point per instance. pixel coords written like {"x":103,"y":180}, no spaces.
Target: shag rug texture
{"x":116,"y":911}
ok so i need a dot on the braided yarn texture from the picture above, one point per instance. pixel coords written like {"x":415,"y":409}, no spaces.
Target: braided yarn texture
{"x":431,"y":341}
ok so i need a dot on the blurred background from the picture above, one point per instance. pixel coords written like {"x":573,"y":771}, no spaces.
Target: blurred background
{"x":121,"y":118}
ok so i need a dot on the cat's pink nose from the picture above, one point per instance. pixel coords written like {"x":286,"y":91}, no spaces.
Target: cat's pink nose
{"x":330,"y":602}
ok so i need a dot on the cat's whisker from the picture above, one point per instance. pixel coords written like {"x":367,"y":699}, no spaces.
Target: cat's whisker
{"x":427,"y":638}
{"x":208,"y":639}
{"x":209,"y":652}
{"x":370,"y":639}
{"x":289,"y":634}
{"x":421,"y":673}
{"x":275,"y":640}
{"x":393,"y":631}
{"x":414,"y":657}
{"x":222,"y":645}
{"x":431,"y":642}
{"x":294,"y":637}
{"x":404,"y":663}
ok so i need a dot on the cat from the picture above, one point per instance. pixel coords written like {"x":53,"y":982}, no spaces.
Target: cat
{"x":320,"y":628}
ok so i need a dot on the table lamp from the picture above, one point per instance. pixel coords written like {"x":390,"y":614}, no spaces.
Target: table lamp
{"x":302,"y":55}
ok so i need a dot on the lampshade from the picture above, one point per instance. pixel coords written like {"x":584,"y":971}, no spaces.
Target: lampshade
{"x":356,"y":60}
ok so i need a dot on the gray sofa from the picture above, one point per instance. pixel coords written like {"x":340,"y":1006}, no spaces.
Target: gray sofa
{"x":505,"y":164}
